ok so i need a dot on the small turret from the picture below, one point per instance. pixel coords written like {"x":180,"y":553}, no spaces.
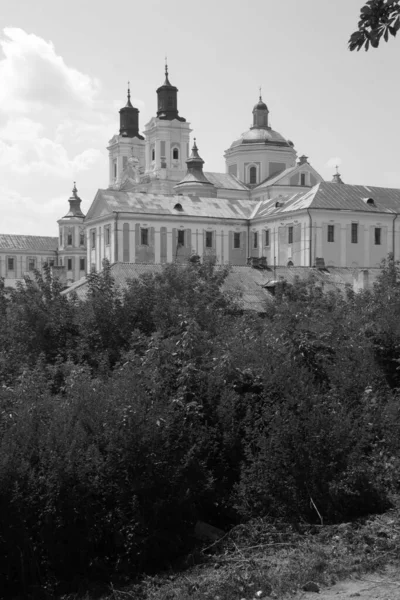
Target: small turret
{"x":195,"y":182}
{"x":260,"y":114}
{"x":336,"y":177}
{"x":74,"y":205}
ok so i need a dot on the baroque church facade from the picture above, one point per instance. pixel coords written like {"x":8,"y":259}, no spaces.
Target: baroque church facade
{"x":270,"y":207}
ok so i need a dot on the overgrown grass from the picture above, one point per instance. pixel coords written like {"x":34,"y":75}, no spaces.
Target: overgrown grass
{"x":263,"y":559}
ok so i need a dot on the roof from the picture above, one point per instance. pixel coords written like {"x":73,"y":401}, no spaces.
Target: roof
{"x":257,"y":135}
{"x":331,"y":196}
{"x":226,"y":181}
{"x":28,"y":242}
{"x":108,"y":201}
{"x":276,"y":177}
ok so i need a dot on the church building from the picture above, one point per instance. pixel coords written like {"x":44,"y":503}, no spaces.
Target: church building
{"x":269,"y":208}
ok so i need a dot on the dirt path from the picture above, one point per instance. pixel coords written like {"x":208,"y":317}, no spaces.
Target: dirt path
{"x":374,"y":586}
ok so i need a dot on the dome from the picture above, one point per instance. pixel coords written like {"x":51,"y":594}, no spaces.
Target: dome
{"x":260,"y":105}
{"x":260,"y":136}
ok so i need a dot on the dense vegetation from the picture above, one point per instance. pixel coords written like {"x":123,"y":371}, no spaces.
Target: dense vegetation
{"x":128,"y":416}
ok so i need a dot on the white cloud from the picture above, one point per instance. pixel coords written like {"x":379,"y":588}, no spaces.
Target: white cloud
{"x":34,"y":76}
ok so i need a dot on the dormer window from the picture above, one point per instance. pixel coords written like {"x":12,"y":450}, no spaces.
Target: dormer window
{"x":302,"y":179}
{"x":369,"y":201}
{"x":178,"y":206}
{"x":175,"y":154}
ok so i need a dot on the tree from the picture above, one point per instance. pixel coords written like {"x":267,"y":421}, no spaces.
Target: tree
{"x":378,"y":18}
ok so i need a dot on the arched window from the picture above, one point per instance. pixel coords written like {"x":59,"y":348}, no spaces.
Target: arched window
{"x":175,"y":153}
{"x":153,"y":154}
{"x":253,"y":175}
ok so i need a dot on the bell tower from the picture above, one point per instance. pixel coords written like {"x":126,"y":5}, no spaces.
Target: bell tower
{"x":127,"y":144}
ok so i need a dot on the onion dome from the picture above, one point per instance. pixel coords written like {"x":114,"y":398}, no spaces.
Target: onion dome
{"x":129,"y":119}
{"x":167,"y":100}
{"x":74,"y":205}
{"x":260,"y":105}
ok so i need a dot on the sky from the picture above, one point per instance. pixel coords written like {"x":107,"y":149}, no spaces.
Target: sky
{"x":64,"y":67}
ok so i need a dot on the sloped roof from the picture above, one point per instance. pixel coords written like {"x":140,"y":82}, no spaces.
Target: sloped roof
{"x":226,"y":181}
{"x":276,"y":177}
{"x":159,"y":204}
{"x":28,"y":242}
{"x":331,"y":196}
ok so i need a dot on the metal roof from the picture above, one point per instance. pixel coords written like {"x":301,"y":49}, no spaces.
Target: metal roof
{"x":276,"y":177}
{"x":332,"y":196}
{"x":226,"y":181}
{"x":159,"y":204}
{"x":28,"y":242}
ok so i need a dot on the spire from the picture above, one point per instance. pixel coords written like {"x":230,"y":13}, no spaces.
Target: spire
{"x":74,"y":205}
{"x":128,"y":103}
{"x":129,"y":119}
{"x":336,"y":177}
{"x":167,"y":100}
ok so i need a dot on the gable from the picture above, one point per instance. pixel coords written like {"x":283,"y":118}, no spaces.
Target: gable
{"x":98,"y":208}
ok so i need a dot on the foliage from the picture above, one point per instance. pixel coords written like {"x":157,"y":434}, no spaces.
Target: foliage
{"x":378,"y":19}
{"x":129,"y":415}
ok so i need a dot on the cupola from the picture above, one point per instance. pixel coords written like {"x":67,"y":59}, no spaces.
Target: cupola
{"x":336,"y":177}
{"x":129,"y":119}
{"x":260,"y":114}
{"x":167,"y":100}
{"x":195,"y":181}
{"x":74,"y":205}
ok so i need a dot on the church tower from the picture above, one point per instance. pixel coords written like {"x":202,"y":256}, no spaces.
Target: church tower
{"x":167,"y":137}
{"x":129,"y":143}
{"x":72,"y":240}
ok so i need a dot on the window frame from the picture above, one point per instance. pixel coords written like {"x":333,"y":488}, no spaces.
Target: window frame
{"x":378,"y":236}
{"x":303,"y":179}
{"x":144,"y":236}
{"x":11,"y":258}
{"x":175,"y":151}
{"x":267,"y":238}
{"x":354,"y":233}
{"x":290,"y":234}
{"x":69,"y":239}
{"x":93,"y":239}
{"x":82,"y":238}
{"x":253,"y":171}
{"x":69,"y":264}
{"x":180,"y":238}
{"x":82,"y":262}
{"x":107,"y":235}
{"x":331,"y":234}
{"x":31,"y":263}
{"x":237,"y":240}
{"x":209,"y":239}
{"x":255,"y":240}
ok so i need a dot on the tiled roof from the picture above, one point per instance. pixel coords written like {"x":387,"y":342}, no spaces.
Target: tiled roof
{"x":226,"y":181}
{"x":332,"y":196}
{"x":28,"y":242}
{"x":158,"y":204}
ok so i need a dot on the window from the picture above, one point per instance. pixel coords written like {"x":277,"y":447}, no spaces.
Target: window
{"x":69,"y":264}
{"x":253,"y":175}
{"x":354,"y":233}
{"x":10,"y":264}
{"x":290,"y":234}
{"x":50,"y":262}
{"x":82,"y":264}
{"x":82,"y":238}
{"x":60,"y":238}
{"x":115,"y":169}
{"x":69,"y":239}
{"x":255,"y":239}
{"x":302,"y":179}
{"x":107,"y":235}
{"x":181,"y":237}
{"x":175,"y":153}
{"x":153,"y":154}
{"x":93,"y":238}
{"x":31,"y":264}
{"x":236,"y":240}
{"x":331,"y":233}
{"x":209,"y":239}
{"x":267,"y":237}
{"x":377,"y":236}
{"x":144,"y":237}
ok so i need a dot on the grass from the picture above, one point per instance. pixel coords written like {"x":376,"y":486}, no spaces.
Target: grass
{"x":271,"y":560}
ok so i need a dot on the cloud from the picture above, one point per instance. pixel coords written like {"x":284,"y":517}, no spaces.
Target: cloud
{"x":32,"y":75}
{"x":333,"y":162}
